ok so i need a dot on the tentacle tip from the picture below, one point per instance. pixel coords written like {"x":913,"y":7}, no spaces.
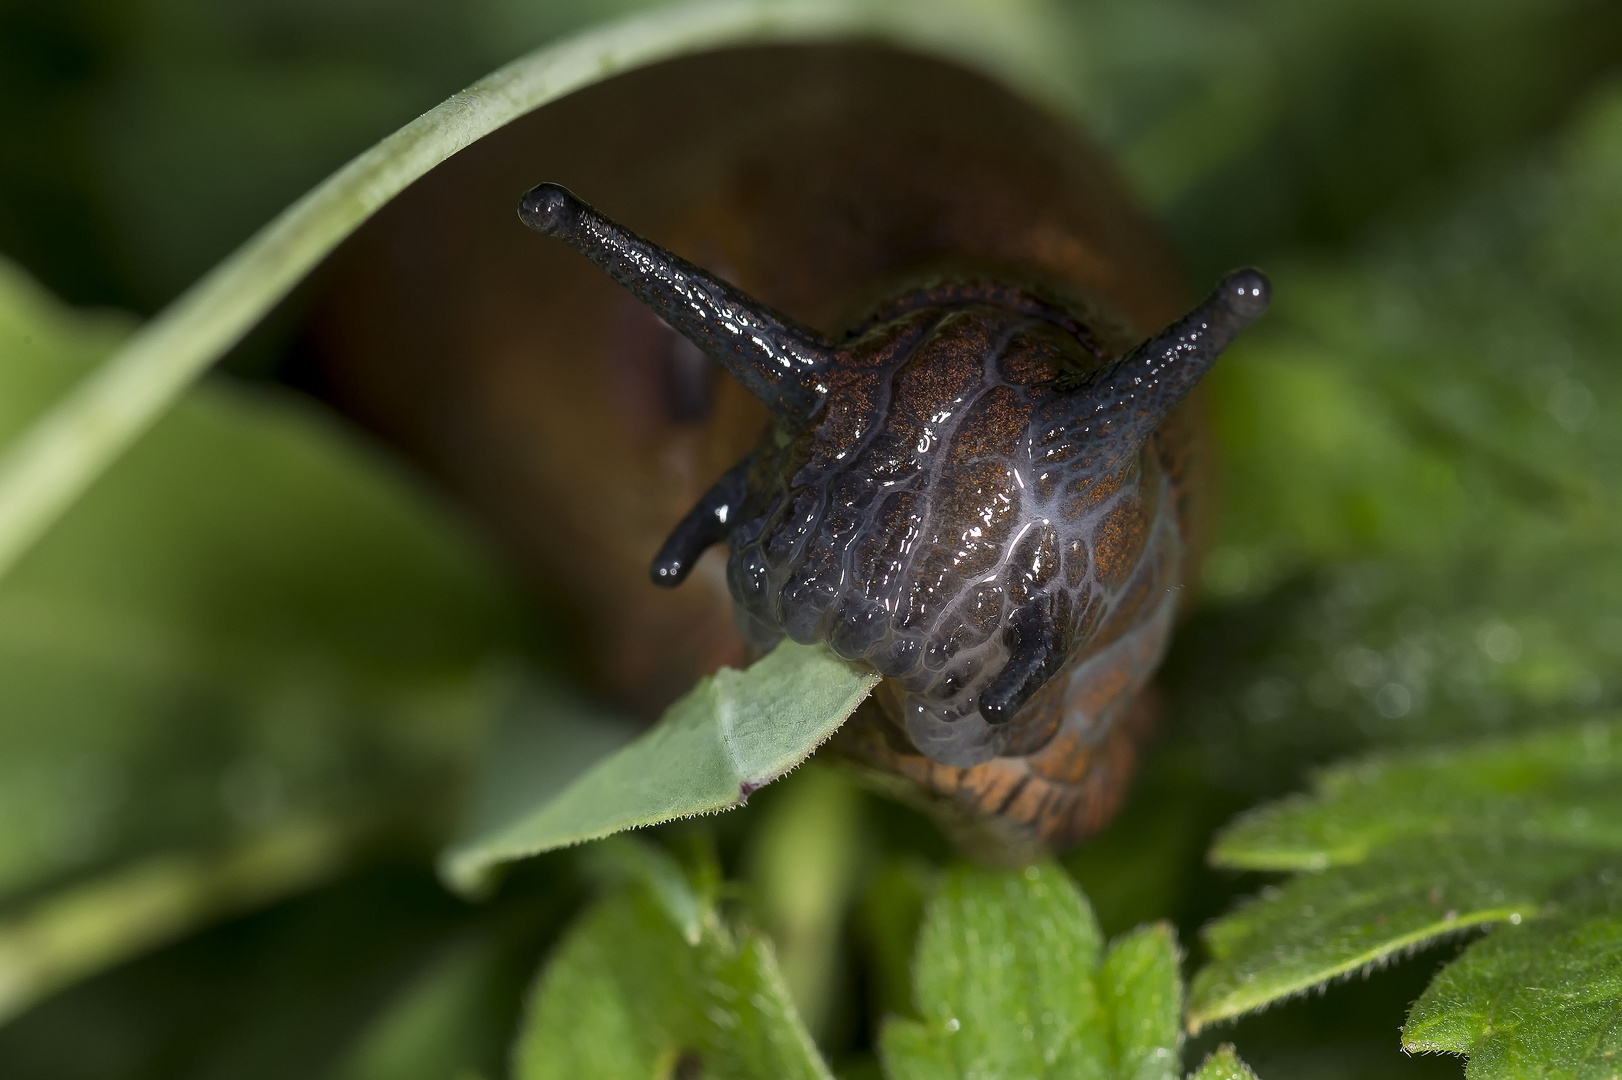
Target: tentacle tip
{"x":549,"y":208}
{"x":1246,"y":294}
{"x":668,"y":573}
{"x":998,"y":709}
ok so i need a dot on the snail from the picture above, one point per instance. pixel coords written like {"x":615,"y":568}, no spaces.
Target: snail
{"x":990,"y":487}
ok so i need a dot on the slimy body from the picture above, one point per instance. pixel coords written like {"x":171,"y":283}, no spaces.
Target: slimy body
{"x":588,"y":437}
{"x":966,"y":493}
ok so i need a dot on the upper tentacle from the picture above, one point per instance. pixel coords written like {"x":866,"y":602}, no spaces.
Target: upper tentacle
{"x":782,"y":363}
{"x":1122,"y":403}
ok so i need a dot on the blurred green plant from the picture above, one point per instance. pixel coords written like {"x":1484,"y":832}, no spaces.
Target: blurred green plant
{"x":250,"y":640}
{"x":251,"y":666}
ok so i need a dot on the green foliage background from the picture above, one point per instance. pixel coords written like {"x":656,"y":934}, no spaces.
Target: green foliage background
{"x":245,"y":685}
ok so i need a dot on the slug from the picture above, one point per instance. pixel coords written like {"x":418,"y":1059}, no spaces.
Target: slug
{"x":966,"y":492}
{"x":990,"y":486}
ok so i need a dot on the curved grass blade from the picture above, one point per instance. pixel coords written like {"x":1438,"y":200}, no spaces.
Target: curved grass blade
{"x":131,"y":911}
{"x":54,"y":461}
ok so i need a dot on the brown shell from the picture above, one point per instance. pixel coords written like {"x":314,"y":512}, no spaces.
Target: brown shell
{"x":554,"y":407}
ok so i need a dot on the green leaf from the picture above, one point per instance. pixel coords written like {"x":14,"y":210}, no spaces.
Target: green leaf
{"x":248,"y":621}
{"x":545,"y":736}
{"x":1013,"y":980}
{"x":1415,"y":847}
{"x":1143,"y":996}
{"x":626,"y":997}
{"x":1223,"y":1064}
{"x":733,"y":733}
{"x":58,"y":457}
{"x":93,"y":925}
{"x":1424,"y":845}
{"x":1540,"y":1000}
{"x":1005,"y":974}
{"x":1561,"y":786}
{"x":1318,"y":927}
{"x":246,"y":656}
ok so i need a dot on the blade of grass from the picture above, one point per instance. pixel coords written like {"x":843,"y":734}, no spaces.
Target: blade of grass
{"x":55,"y":460}
{"x":104,"y":921}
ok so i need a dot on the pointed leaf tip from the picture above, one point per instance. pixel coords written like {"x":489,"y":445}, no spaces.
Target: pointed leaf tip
{"x":732,"y":734}
{"x":1223,"y":1064}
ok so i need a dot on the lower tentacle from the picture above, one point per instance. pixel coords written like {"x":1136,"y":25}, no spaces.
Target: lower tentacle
{"x":705,"y":525}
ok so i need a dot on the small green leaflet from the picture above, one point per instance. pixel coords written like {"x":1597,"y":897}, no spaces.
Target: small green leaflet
{"x":1318,"y":927}
{"x":221,"y":671}
{"x":1013,"y":979}
{"x":733,"y":733}
{"x":1223,"y":1064}
{"x":628,"y":996}
{"x":1402,"y":850}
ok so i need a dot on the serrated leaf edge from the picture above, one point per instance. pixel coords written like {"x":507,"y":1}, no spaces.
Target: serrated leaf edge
{"x":1237,"y":1004}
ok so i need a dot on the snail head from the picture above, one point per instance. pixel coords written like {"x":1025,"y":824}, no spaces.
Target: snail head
{"x":956,"y":493}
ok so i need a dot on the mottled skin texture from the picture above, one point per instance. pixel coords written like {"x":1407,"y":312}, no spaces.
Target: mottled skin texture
{"x":941,"y":498}
{"x":965,"y":494}
{"x":935,"y":504}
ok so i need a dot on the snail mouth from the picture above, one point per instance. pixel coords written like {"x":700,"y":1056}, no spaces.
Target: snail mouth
{"x":964,"y":740}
